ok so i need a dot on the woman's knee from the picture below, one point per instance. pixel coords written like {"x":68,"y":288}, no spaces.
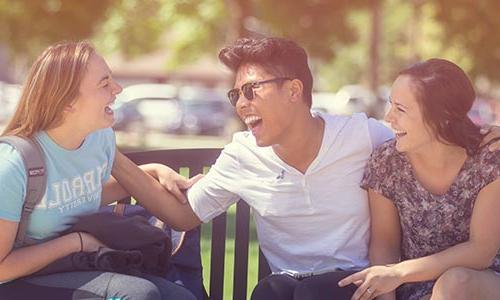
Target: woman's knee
{"x":131,"y":287}
{"x":452,"y":284}
{"x":170,"y":290}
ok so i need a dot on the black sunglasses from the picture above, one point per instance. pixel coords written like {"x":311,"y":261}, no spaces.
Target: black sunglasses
{"x":247,"y":89}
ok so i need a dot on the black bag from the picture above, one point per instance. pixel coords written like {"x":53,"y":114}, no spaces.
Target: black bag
{"x":135,"y":247}
{"x":185,"y":266}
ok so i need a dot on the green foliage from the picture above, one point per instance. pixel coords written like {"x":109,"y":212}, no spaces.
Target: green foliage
{"x":184,"y":28}
{"x":197,"y":28}
{"x":320,"y":26}
{"x":350,"y":60}
{"x":133,"y":28}
{"x":336,"y":33}
{"x":474,"y":28}
{"x":466,"y":32}
{"x":30,"y":26}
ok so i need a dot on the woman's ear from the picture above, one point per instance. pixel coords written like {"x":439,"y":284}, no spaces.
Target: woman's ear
{"x":69,"y":108}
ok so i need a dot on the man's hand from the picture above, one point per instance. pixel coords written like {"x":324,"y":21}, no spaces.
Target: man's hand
{"x":492,"y":134}
{"x":173,"y":182}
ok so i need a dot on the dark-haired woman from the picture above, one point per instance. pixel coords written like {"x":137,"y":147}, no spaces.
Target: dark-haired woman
{"x":434,"y":195}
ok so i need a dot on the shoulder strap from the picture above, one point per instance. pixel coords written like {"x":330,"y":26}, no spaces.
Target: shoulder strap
{"x":34,"y":163}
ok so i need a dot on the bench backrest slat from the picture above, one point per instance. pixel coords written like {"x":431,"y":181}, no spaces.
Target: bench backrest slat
{"x":264,"y":269}
{"x":217,"y":256}
{"x":241,"y":243}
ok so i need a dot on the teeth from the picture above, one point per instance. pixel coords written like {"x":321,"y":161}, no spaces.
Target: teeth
{"x":251,"y":120}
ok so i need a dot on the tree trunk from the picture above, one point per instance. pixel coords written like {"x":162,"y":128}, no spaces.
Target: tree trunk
{"x":376,"y":20}
{"x":415,"y":31}
{"x":239,"y":11}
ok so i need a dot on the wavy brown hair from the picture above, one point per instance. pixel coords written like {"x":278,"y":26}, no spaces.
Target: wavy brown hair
{"x":446,"y":94}
{"x":52,"y":83}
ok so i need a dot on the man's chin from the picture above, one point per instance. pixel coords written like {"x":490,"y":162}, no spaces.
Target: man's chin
{"x":261,"y":142}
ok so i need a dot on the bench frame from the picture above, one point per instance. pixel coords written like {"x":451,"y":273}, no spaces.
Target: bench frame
{"x":196,"y":160}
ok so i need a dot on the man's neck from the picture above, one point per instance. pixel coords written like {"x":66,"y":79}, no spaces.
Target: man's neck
{"x":301,"y":145}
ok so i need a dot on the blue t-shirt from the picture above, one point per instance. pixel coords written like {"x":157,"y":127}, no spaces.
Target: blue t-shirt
{"x":74,"y":182}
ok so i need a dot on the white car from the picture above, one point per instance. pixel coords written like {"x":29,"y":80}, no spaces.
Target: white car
{"x":148,"y":107}
{"x":9,"y":97}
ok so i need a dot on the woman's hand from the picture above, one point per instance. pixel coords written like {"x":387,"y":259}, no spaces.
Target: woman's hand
{"x":171,"y":180}
{"x":492,"y":134}
{"x":373,"y":281}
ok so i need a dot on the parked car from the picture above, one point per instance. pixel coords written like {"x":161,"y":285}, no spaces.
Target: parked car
{"x":350,"y":99}
{"x":325,"y":102}
{"x":148,"y":107}
{"x":9,"y":97}
{"x":170,"y":109}
{"x":205,"y":111}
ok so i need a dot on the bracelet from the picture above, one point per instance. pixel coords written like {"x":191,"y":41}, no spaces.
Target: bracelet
{"x":81,"y":241}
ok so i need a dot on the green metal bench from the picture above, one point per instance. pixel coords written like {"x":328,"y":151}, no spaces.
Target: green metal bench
{"x":196,"y":160}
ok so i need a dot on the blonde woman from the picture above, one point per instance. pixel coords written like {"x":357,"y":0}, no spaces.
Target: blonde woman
{"x":66,"y":106}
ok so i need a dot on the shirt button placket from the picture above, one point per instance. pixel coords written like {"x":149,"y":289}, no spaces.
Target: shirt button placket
{"x":306,"y":191}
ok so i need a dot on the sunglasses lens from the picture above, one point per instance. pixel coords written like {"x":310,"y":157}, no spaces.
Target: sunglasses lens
{"x":233,"y":96}
{"x":247,"y":90}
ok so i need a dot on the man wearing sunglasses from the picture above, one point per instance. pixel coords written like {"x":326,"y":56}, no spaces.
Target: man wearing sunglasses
{"x":299,"y":172}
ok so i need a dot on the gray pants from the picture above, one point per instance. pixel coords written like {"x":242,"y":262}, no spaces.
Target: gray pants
{"x":93,"y":285}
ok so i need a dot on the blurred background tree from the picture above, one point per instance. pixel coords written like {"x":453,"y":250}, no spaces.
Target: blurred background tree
{"x":29,"y":26}
{"x":349,"y":41}
{"x":474,"y":27}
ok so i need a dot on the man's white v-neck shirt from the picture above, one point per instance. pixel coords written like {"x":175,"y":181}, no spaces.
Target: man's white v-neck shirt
{"x":306,"y":223}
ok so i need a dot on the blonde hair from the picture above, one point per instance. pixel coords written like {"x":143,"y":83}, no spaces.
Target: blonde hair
{"x":53,"y":82}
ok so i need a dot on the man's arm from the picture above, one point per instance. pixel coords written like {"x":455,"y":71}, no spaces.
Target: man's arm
{"x":170,"y":180}
{"x":492,"y":136}
{"x":379,"y":133}
{"x":152,"y":195}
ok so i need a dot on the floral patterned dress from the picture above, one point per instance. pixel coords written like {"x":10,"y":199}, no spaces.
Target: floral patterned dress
{"x":429,"y":223}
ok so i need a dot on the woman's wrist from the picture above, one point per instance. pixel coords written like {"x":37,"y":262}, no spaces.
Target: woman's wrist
{"x":401,"y":272}
{"x":78,"y":242}
{"x":81,"y":240}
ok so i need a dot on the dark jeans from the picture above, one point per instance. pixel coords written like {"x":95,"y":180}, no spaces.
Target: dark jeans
{"x":316,"y":287}
{"x":93,"y":285}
